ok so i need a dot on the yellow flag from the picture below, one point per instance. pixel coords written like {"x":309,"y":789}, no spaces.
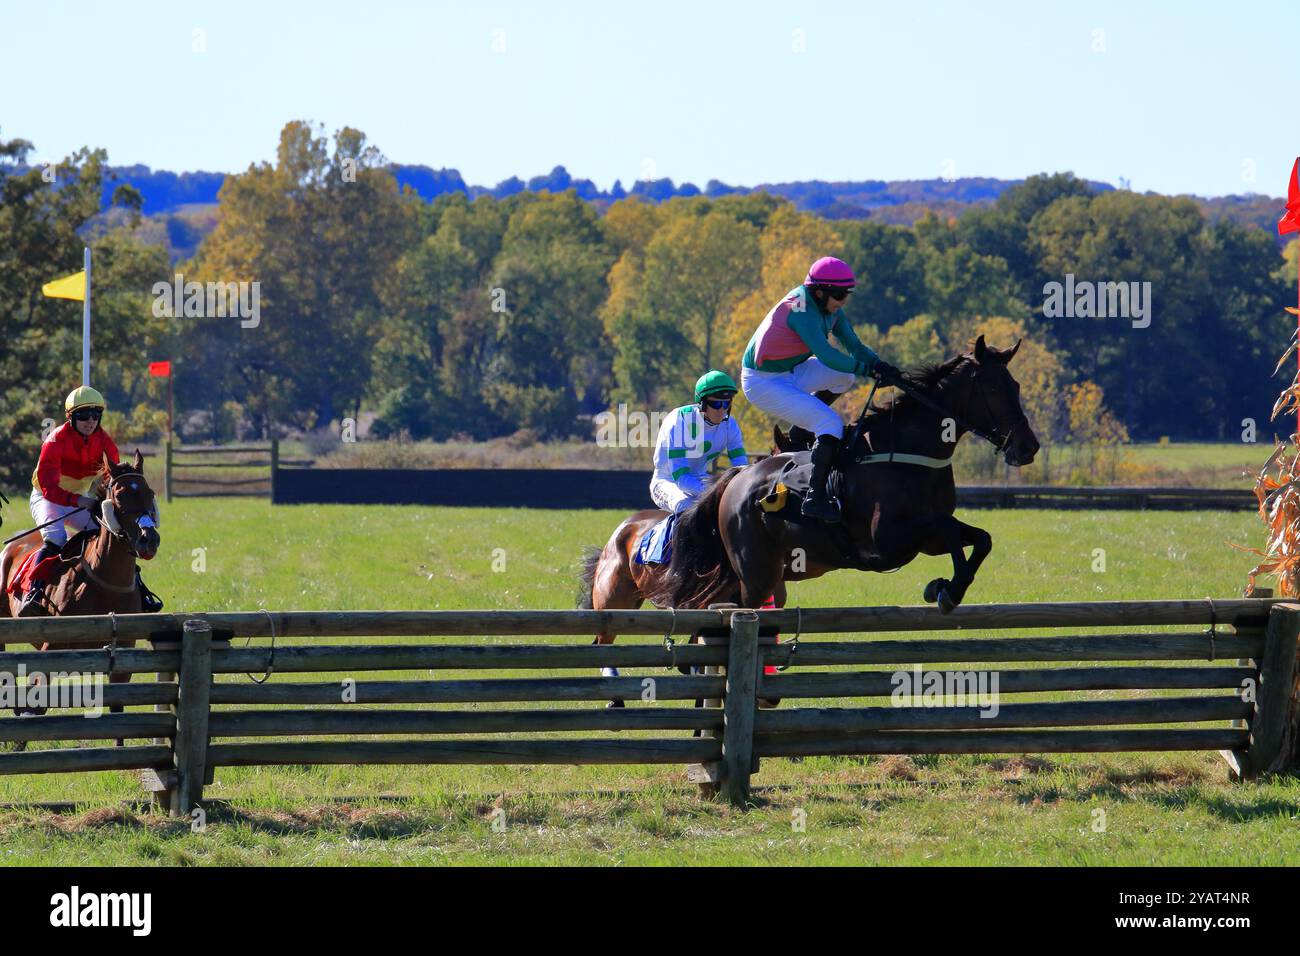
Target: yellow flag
{"x":69,"y":287}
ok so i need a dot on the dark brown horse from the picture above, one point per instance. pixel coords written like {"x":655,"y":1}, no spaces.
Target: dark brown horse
{"x":103,"y":578}
{"x":728,"y":547}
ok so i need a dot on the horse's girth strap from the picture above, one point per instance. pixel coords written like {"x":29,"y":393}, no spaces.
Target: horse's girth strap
{"x":903,"y":458}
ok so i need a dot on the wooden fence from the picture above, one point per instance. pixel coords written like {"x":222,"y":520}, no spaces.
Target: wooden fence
{"x":249,"y":470}
{"x":1242,"y":666}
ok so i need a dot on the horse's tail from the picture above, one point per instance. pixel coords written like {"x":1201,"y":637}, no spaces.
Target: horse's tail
{"x":587,"y":578}
{"x":699,"y":570}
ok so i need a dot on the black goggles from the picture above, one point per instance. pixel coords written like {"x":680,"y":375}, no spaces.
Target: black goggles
{"x":88,"y":414}
{"x":718,"y":402}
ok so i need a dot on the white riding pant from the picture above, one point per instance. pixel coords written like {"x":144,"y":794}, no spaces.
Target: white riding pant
{"x":44,"y":510}
{"x":789,"y":395}
{"x":666,"y":495}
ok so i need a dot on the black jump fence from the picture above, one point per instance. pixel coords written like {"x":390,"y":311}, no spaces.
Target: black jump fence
{"x":629,"y":490}
{"x":1128,"y":683}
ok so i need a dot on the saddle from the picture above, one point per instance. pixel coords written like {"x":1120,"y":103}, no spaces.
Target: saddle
{"x":656,"y":545}
{"x":789,"y":487}
{"x":52,"y":568}
{"x":786,"y":493}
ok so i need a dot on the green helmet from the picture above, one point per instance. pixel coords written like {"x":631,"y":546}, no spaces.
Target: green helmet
{"x":711,"y":383}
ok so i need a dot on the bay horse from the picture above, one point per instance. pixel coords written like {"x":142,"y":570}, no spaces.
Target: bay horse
{"x":103,"y":578}
{"x":728,"y":547}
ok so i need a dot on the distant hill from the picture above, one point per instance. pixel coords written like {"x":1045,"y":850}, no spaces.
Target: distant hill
{"x":180,"y":208}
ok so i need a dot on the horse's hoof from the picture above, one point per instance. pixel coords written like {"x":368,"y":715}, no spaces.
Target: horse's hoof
{"x":946,"y":604}
{"x":934,"y":588}
{"x":610,"y":705}
{"x":769,"y":703}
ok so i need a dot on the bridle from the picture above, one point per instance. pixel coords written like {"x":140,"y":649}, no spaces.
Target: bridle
{"x":115,"y":527}
{"x":994,"y":436}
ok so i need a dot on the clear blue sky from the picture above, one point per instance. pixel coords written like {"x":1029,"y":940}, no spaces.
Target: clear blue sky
{"x":1183,"y":97}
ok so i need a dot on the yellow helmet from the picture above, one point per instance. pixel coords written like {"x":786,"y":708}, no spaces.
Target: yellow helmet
{"x":83,"y":397}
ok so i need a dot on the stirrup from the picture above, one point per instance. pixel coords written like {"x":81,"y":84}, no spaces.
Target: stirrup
{"x":31,"y":604}
{"x":826,"y":508}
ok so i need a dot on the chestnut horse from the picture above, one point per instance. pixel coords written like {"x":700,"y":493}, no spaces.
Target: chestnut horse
{"x":103,"y":580}
{"x":613,"y":580}
{"x":727,"y":547}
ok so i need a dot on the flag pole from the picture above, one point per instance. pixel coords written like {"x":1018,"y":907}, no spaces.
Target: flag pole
{"x":85,"y":324}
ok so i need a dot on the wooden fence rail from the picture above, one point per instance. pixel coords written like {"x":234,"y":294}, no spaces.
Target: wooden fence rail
{"x":180,"y":462}
{"x":1230,"y":688}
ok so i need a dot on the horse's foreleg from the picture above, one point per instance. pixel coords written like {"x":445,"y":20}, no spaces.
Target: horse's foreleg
{"x":940,"y":534}
{"x":981,"y":544}
{"x":950,"y":539}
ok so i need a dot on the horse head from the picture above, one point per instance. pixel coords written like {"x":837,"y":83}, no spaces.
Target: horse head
{"x":992,"y":403}
{"x":130,"y":508}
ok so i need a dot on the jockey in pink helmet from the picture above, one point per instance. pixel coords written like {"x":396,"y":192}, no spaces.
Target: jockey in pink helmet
{"x":790,"y":358}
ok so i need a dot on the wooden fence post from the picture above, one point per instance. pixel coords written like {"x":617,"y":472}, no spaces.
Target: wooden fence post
{"x":275,"y":464}
{"x":739,"y":706}
{"x":709,"y":775}
{"x":167,"y":472}
{"x":1273,"y":729}
{"x":193,"y":699}
{"x":161,"y":784}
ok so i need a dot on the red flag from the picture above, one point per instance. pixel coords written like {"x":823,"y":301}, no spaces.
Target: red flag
{"x":1291,"y":221}
{"x":160,"y":369}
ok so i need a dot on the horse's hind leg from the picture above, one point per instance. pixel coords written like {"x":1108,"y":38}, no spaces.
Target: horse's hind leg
{"x":118,"y":708}
{"x":613,"y":589}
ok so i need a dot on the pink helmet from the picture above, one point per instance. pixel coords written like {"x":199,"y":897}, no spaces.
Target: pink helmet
{"x":830,"y":271}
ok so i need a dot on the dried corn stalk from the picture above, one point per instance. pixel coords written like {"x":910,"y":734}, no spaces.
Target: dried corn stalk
{"x":1277,"y":488}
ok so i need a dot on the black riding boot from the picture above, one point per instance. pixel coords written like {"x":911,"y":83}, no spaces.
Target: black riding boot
{"x":802,"y":437}
{"x":31,"y":600}
{"x":818,"y":504}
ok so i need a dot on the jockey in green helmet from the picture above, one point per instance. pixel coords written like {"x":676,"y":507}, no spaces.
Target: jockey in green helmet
{"x":690,"y":438}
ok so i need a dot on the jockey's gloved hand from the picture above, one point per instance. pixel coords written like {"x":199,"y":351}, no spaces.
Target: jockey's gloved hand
{"x":886,"y":374}
{"x":90,"y":504}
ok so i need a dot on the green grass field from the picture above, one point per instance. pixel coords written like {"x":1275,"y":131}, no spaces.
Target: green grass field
{"x":1066,"y":809}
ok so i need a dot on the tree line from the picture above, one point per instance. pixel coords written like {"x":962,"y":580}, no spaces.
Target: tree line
{"x":483,"y":317}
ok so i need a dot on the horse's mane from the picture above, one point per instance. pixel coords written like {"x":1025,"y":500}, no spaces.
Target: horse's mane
{"x":927,"y":376}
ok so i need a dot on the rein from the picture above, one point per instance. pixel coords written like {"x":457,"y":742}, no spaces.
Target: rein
{"x":999,"y":442}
